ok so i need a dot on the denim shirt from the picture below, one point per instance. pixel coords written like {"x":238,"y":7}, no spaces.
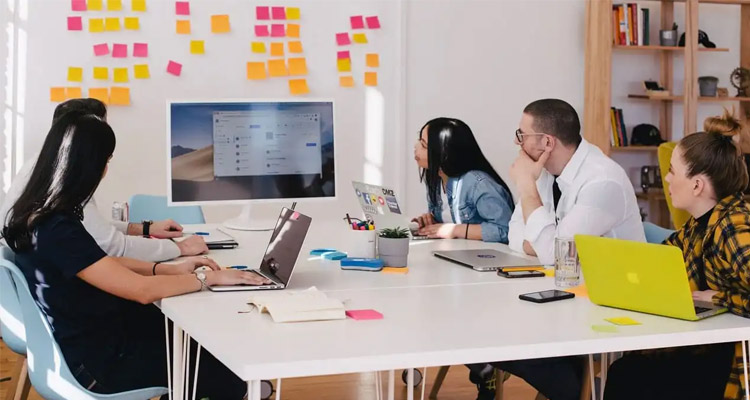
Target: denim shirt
{"x":475,"y":198}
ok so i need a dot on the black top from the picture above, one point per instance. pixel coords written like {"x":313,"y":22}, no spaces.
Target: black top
{"x":85,"y":320}
{"x":556,"y":193}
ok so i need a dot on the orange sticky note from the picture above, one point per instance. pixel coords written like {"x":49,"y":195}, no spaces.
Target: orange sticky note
{"x":277,"y":68}
{"x":101,"y":73}
{"x":112,"y":24}
{"x":373,"y":60}
{"x":114,"y":5}
{"x":120,"y":75}
{"x":371,"y":79}
{"x":138,"y":5}
{"x":132,"y":23}
{"x":197,"y":47}
{"x":96,"y":25}
{"x":395,"y":270}
{"x":344,"y":64}
{"x":258,"y":47}
{"x":292,"y":13}
{"x":119,"y":96}
{"x":277,"y":49}
{"x":579,"y":291}
{"x":298,"y":86}
{"x":359,"y":38}
{"x":140,"y":71}
{"x":57,"y":94}
{"x":75,"y":74}
{"x":183,"y":27}
{"x":73,"y":93}
{"x":94,"y":5}
{"x":295,"y":47}
{"x":101,"y":94}
{"x":220,"y":23}
{"x":346,"y":81}
{"x":256,"y":70}
{"x":292,"y":30}
{"x":297,"y":67}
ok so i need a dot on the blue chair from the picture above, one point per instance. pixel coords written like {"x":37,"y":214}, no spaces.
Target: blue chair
{"x":48,"y":370}
{"x":655,"y":233}
{"x":14,"y":333}
{"x":147,"y":207}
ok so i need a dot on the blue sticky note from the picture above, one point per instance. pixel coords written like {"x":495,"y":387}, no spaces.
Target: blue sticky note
{"x":320,"y":252}
{"x":334,"y":255}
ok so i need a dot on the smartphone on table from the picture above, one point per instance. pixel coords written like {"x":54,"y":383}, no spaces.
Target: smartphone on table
{"x":520,"y":274}
{"x":546,"y":296}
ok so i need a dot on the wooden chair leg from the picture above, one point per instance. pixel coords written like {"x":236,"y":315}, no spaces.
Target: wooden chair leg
{"x":499,"y":384}
{"x":21,"y":383}
{"x":586,"y":384}
{"x":15,"y":374}
{"x":439,"y":378}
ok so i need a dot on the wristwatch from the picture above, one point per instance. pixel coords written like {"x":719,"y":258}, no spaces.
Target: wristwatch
{"x":202,"y":278}
{"x":147,"y":227}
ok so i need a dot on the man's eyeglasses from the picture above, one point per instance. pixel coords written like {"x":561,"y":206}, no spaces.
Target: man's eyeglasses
{"x":520,"y":135}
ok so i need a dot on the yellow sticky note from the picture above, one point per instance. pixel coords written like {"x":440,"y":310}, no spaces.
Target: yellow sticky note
{"x":277,"y":49}
{"x":292,"y":30}
{"x":258,"y":47}
{"x":96,"y":25}
{"x":114,"y":5}
{"x":297,"y":66}
{"x":298,"y":86}
{"x":344,"y":64}
{"x":75,"y":74}
{"x":622,"y":321}
{"x":359,"y":38}
{"x":101,"y":94}
{"x":119,"y":96}
{"x":295,"y":47}
{"x":292,"y":13}
{"x":101,"y":73}
{"x":112,"y":24}
{"x":604,"y":328}
{"x":346,"y":81}
{"x":94,"y":5}
{"x":183,"y":27}
{"x":120,"y":75}
{"x":138,"y":5}
{"x":140,"y":71}
{"x":371,"y":79}
{"x":256,"y":70}
{"x":57,"y":94}
{"x":197,"y":47}
{"x":73,"y":93}
{"x":132,"y":23}
{"x":277,"y":68}
{"x":373,"y":60}
{"x":220,"y":24}
{"x":550,"y":272}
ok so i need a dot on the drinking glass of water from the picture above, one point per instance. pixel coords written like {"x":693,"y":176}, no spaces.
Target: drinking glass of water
{"x":567,"y":266}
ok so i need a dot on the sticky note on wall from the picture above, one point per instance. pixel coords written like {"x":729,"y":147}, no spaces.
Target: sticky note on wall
{"x":298,"y":87}
{"x":174,"y":68}
{"x":140,"y":49}
{"x":343,"y":54}
{"x":342,"y":39}
{"x":277,"y":49}
{"x":119,"y":50}
{"x":292,"y":13}
{"x":258,"y":47}
{"x":277,"y":68}
{"x":346,"y":81}
{"x":182,"y":27}
{"x":372,"y":60}
{"x":373,"y":22}
{"x":256,"y":70}
{"x":132,"y":23}
{"x":114,"y":5}
{"x":78,"y":5}
{"x":197,"y":47}
{"x":96,"y":25}
{"x":138,"y":5}
{"x":357,"y":22}
{"x":262,"y":13}
{"x":94,"y":5}
{"x":344,"y":64}
{"x":277,"y":30}
{"x":140,"y":71}
{"x":297,"y":67}
{"x":182,"y":8}
{"x":101,"y":73}
{"x":57,"y":94}
{"x":120,"y":75}
{"x":371,"y":79}
{"x":75,"y":24}
{"x":360,"y":38}
{"x":295,"y":47}
{"x":73,"y":93}
{"x":292,"y":30}
{"x":119,"y":96}
{"x":220,"y":24}
{"x":112,"y":24}
{"x":278,"y":13}
{"x":101,"y":94}
{"x":75,"y":74}
{"x":101,"y":49}
{"x":261,"y":31}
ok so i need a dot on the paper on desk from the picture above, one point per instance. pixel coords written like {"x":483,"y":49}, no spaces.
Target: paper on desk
{"x":622,"y":321}
{"x":299,"y":306}
{"x":214,"y":236}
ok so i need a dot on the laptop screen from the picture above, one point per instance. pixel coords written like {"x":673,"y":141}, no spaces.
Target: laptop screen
{"x":285,"y":244}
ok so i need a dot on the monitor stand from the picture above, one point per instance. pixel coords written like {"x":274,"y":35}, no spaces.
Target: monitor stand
{"x":244,"y":222}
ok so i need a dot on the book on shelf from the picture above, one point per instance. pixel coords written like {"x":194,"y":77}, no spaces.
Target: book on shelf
{"x":630,"y":25}
{"x":619,"y":137}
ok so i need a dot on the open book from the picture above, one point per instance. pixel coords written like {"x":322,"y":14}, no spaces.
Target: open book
{"x":299,"y":306}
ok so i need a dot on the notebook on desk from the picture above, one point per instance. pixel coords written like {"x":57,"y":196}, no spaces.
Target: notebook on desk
{"x":214,"y":238}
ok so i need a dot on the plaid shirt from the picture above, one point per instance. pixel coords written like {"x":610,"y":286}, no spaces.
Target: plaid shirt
{"x":719,"y":259}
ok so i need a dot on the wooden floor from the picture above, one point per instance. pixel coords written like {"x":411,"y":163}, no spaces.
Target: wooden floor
{"x":342,"y":387}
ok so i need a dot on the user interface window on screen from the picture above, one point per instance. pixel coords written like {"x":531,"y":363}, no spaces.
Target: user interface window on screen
{"x":251,"y":151}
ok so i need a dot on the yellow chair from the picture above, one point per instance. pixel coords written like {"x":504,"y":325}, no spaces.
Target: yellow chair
{"x":679,"y":217}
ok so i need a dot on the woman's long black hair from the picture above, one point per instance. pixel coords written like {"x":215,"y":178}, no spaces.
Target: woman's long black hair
{"x":452,"y":148}
{"x":66,"y":174}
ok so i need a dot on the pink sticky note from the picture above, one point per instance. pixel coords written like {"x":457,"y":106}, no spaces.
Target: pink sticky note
{"x":182,"y":8}
{"x":174,"y":68}
{"x":261,"y":30}
{"x":343,"y":39}
{"x":343,"y":54}
{"x":78,"y":5}
{"x":119,"y":50}
{"x":262,"y":13}
{"x":363,"y":315}
{"x":278,"y":12}
{"x":357,"y":22}
{"x":75,"y":24}
{"x":140,"y":49}
{"x":373,"y":22}
{"x":277,"y":30}
{"x":101,"y":49}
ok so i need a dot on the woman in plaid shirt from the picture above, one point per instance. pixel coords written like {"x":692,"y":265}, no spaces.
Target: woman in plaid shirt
{"x":706,"y":177}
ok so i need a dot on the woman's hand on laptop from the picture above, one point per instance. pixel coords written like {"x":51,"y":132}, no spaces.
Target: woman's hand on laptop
{"x":230,"y":277}
{"x":192,"y":246}
{"x":443,"y":231}
{"x":424,"y":220}
{"x":705,"y":296}
{"x":189,"y":265}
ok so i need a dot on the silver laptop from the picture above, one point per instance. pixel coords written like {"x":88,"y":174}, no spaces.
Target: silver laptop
{"x":485,"y":260}
{"x":380,"y":206}
{"x":281,"y":254}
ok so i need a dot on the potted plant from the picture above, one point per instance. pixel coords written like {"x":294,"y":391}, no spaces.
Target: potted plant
{"x":393,"y":246}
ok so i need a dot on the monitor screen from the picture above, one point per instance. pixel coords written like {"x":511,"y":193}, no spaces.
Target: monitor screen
{"x":256,"y":150}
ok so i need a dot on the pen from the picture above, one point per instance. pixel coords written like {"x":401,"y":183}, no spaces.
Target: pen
{"x":348,"y":219}
{"x":294,"y":205}
{"x":196,"y":233}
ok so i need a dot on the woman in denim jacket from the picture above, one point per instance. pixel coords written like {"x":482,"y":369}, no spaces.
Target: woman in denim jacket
{"x":450,"y":161}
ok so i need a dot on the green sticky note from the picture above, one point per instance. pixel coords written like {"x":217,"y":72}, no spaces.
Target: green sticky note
{"x":604,"y":328}
{"x":623,"y":321}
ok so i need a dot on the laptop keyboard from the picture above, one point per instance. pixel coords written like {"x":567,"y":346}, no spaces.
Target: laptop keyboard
{"x":699,"y":310}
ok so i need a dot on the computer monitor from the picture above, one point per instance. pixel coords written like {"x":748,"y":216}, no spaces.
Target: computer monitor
{"x":244,"y":151}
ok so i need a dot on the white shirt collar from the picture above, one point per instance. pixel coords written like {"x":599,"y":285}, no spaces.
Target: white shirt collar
{"x":571,"y":169}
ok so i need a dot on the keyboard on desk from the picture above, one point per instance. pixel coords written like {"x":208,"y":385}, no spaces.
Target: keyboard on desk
{"x":699,"y":310}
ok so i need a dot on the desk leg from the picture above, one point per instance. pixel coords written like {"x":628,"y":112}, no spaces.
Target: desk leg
{"x":592,"y":378}
{"x":177,"y":353}
{"x":253,"y":390}
{"x":197,"y":363}
{"x":391,"y":385}
{"x":410,"y":384}
{"x":603,"y":373}
{"x":169,"y":359}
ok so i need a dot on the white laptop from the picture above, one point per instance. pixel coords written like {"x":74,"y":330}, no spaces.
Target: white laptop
{"x":486,"y":260}
{"x":381,"y":207}
{"x":281,"y":254}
